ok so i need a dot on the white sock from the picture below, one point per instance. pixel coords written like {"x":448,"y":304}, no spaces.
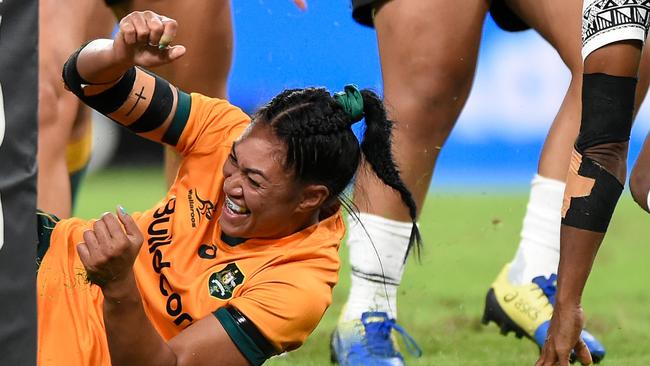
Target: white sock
{"x":539,"y":249}
{"x":376,"y":272}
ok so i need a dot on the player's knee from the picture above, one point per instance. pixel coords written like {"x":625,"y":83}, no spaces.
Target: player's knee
{"x":429,"y":104}
{"x":56,"y":116}
{"x":47,"y":106}
{"x":610,"y":156}
{"x":640,"y":186}
{"x":598,"y":166}
{"x":82,"y":123}
{"x":441,"y":88}
{"x":607,"y":111}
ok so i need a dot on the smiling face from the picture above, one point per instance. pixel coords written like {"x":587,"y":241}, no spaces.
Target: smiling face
{"x":263,"y":199}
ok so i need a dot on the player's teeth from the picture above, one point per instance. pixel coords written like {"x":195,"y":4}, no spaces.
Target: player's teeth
{"x":235,"y":207}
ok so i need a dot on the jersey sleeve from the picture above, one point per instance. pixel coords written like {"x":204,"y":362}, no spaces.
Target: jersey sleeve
{"x":287,"y":301}
{"x":150,"y":106}
{"x":202,"y":124}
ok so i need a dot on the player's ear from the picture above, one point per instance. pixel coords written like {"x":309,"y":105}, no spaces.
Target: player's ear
{"x":312,"y":197}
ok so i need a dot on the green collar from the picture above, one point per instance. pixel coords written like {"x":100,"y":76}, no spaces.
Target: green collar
{"x":232,"y":241}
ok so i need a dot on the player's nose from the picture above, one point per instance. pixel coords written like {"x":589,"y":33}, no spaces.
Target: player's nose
{"x":233,"y":185}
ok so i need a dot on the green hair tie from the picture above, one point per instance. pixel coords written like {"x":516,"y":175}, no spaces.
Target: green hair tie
{"x":351,"y":101}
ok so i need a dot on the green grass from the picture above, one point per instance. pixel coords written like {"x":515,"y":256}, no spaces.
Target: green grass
{"x":134,"y":189}
{"x":468,"y":238}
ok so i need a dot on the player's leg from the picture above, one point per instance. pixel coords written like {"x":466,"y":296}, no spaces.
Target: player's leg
{"x":79,"y":150}
{"x":538,"y":251}
{"x":428,"y":53}
{"x":209,"y":41}
{"x":60,"y":32}
{"x":99,"y":24}
{"x":640,"y":176}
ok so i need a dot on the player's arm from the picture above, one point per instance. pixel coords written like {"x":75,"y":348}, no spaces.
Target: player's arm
{"x":226,"y":338}
{"x":273,"y":313}
{"x":594,"y":185}
{"x":107,"y":75}
{"x":228,"y":330}
{"x":134,"y":341}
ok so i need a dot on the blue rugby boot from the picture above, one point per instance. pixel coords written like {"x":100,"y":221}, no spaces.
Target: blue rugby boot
{"x":370,"y":342}
{"x":526,"y":310}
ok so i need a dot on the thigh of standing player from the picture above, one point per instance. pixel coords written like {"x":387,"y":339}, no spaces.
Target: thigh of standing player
{"x":555,"y":21}
{"x":428,"y":53}
{"x":61,"y":31}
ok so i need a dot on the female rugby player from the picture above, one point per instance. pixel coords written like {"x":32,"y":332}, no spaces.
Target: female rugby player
{"x":238,"y":261}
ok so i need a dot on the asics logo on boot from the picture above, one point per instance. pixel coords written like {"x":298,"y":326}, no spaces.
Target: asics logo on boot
{"x":529,"y":310}
{"x":521,"y":305}
{"x":509,"y":297}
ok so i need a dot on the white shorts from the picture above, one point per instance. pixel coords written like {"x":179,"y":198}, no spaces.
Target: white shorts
{"x":609,"y":21}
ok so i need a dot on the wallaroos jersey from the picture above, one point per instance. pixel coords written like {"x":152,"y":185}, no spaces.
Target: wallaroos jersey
{"x":184,"y":270}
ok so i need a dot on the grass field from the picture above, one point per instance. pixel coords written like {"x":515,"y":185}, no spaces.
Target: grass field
{"x":468,"y":238}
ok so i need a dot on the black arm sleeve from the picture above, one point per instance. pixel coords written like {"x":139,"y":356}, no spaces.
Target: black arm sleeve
{"x":245,"y":335}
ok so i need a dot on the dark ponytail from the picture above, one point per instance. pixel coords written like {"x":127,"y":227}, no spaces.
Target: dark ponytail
{"x":321,"y":147}
{"x":377,"y":150}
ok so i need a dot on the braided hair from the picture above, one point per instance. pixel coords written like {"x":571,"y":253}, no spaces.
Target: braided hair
{"x":322,"y":149}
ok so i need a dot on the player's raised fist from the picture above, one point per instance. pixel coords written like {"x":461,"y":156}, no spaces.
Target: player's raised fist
{"x":143,"y":39}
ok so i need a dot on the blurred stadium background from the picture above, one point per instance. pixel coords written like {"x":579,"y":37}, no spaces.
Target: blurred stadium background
{"x":472,"y":219}
{"x":520,"y":82}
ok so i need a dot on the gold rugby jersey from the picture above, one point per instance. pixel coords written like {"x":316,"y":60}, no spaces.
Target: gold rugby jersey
{"x":184,"y":270}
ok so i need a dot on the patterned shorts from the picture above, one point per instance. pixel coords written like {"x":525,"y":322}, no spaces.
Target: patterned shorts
{"x":113,"y":2}
{"x":609,"y":21}
{"x":362,"y":12}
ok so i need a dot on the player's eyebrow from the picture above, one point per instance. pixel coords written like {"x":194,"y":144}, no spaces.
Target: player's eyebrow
{"x":233,"y":153}
{"x":247,"y":170}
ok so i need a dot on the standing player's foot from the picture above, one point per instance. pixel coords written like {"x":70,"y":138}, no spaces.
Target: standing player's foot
{"x":526,"y":310}
{"x":369,"y":342}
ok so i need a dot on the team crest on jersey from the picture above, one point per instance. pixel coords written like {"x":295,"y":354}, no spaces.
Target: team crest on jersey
{"x":223,"y":283}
